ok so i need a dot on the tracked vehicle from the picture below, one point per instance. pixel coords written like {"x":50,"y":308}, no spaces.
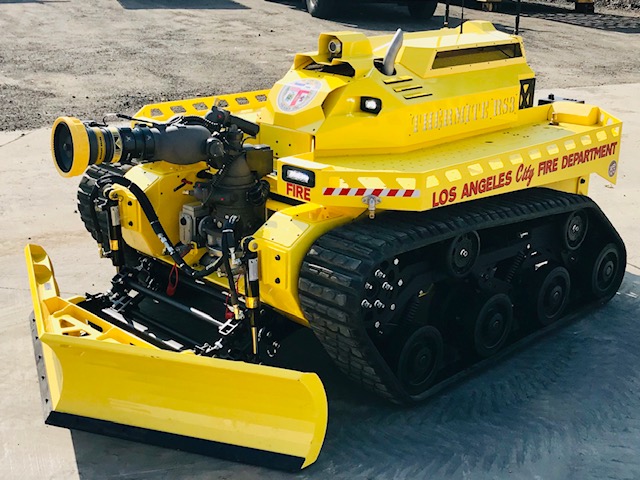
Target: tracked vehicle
{"x":402,"y":197}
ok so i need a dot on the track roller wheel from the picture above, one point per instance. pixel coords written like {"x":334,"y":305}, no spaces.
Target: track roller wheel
{"x":551,"y":293}
{"x":416,"y":356}
{"x":492,"y":325}
{"x":575,"y":229}
{"x":607,"y":273}
{"x":462,"y":253}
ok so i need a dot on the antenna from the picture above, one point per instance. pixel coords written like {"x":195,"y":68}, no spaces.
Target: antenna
{"x":446,"y":14}
{"x":518,"y":10}
{"x":389,"y":61}
{"x":462,"y":17}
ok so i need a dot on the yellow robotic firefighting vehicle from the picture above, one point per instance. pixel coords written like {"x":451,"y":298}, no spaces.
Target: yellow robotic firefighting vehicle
{"x":401,"y":196}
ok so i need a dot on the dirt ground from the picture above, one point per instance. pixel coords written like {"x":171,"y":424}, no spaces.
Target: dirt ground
{"x":564,"y":408}
{"x":89,"y":58}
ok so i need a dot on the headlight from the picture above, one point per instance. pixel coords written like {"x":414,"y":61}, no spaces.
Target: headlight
{"x":370,"y":105}
{"x":298,"y":176}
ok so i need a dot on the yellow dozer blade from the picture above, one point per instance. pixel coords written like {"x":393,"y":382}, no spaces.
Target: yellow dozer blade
{"x":96,"y":376}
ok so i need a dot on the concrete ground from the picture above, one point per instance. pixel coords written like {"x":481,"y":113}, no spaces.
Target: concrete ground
{"x":565,"y":407}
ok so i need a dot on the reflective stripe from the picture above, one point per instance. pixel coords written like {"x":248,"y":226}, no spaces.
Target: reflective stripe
{"x":378,"y":192}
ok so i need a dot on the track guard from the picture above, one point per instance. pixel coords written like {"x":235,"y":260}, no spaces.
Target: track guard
{"x":97,"y":377}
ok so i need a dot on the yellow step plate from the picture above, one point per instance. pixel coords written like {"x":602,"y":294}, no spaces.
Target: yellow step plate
{"x":97,"y":377}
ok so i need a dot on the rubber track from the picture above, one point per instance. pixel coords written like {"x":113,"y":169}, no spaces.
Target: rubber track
{"x":85,"y":206}
{"x":335,"y":269}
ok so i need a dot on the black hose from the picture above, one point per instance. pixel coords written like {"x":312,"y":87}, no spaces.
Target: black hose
{"x":160,"y":232}
{"x":232,"y":284}
{"x":228,"y":241}
{"x":196,"y":120}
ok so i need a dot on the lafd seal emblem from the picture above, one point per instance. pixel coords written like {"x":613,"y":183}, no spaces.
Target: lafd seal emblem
{"x":297,"y":95}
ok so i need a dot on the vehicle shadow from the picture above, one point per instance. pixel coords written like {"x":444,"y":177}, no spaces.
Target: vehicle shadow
{"x":181,"y":4}
{"x":534,"y":413}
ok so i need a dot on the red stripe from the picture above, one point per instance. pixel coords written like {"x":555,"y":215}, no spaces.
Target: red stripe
{"x":408,"y":193}
{"x":377,"y":191}
{"x":361,"y":191}
{"x":393,"y":192}
{"x":329,"y":191}
{"x":344,"y":191}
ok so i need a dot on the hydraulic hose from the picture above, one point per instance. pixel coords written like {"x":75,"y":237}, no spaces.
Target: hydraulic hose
{"x":228,"y":240}
{"x":157,"y":227}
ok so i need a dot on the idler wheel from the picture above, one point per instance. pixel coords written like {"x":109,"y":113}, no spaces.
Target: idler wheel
{"x":416,"y":357}
{"x":552,"y":294}
{"x":462,"y":254}
{"x":492,"y":325}
{"x":606,"y":272}
{"x":575,"y":229}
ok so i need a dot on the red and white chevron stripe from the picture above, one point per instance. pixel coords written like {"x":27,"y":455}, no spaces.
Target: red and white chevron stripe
{"x":378,"y":192}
